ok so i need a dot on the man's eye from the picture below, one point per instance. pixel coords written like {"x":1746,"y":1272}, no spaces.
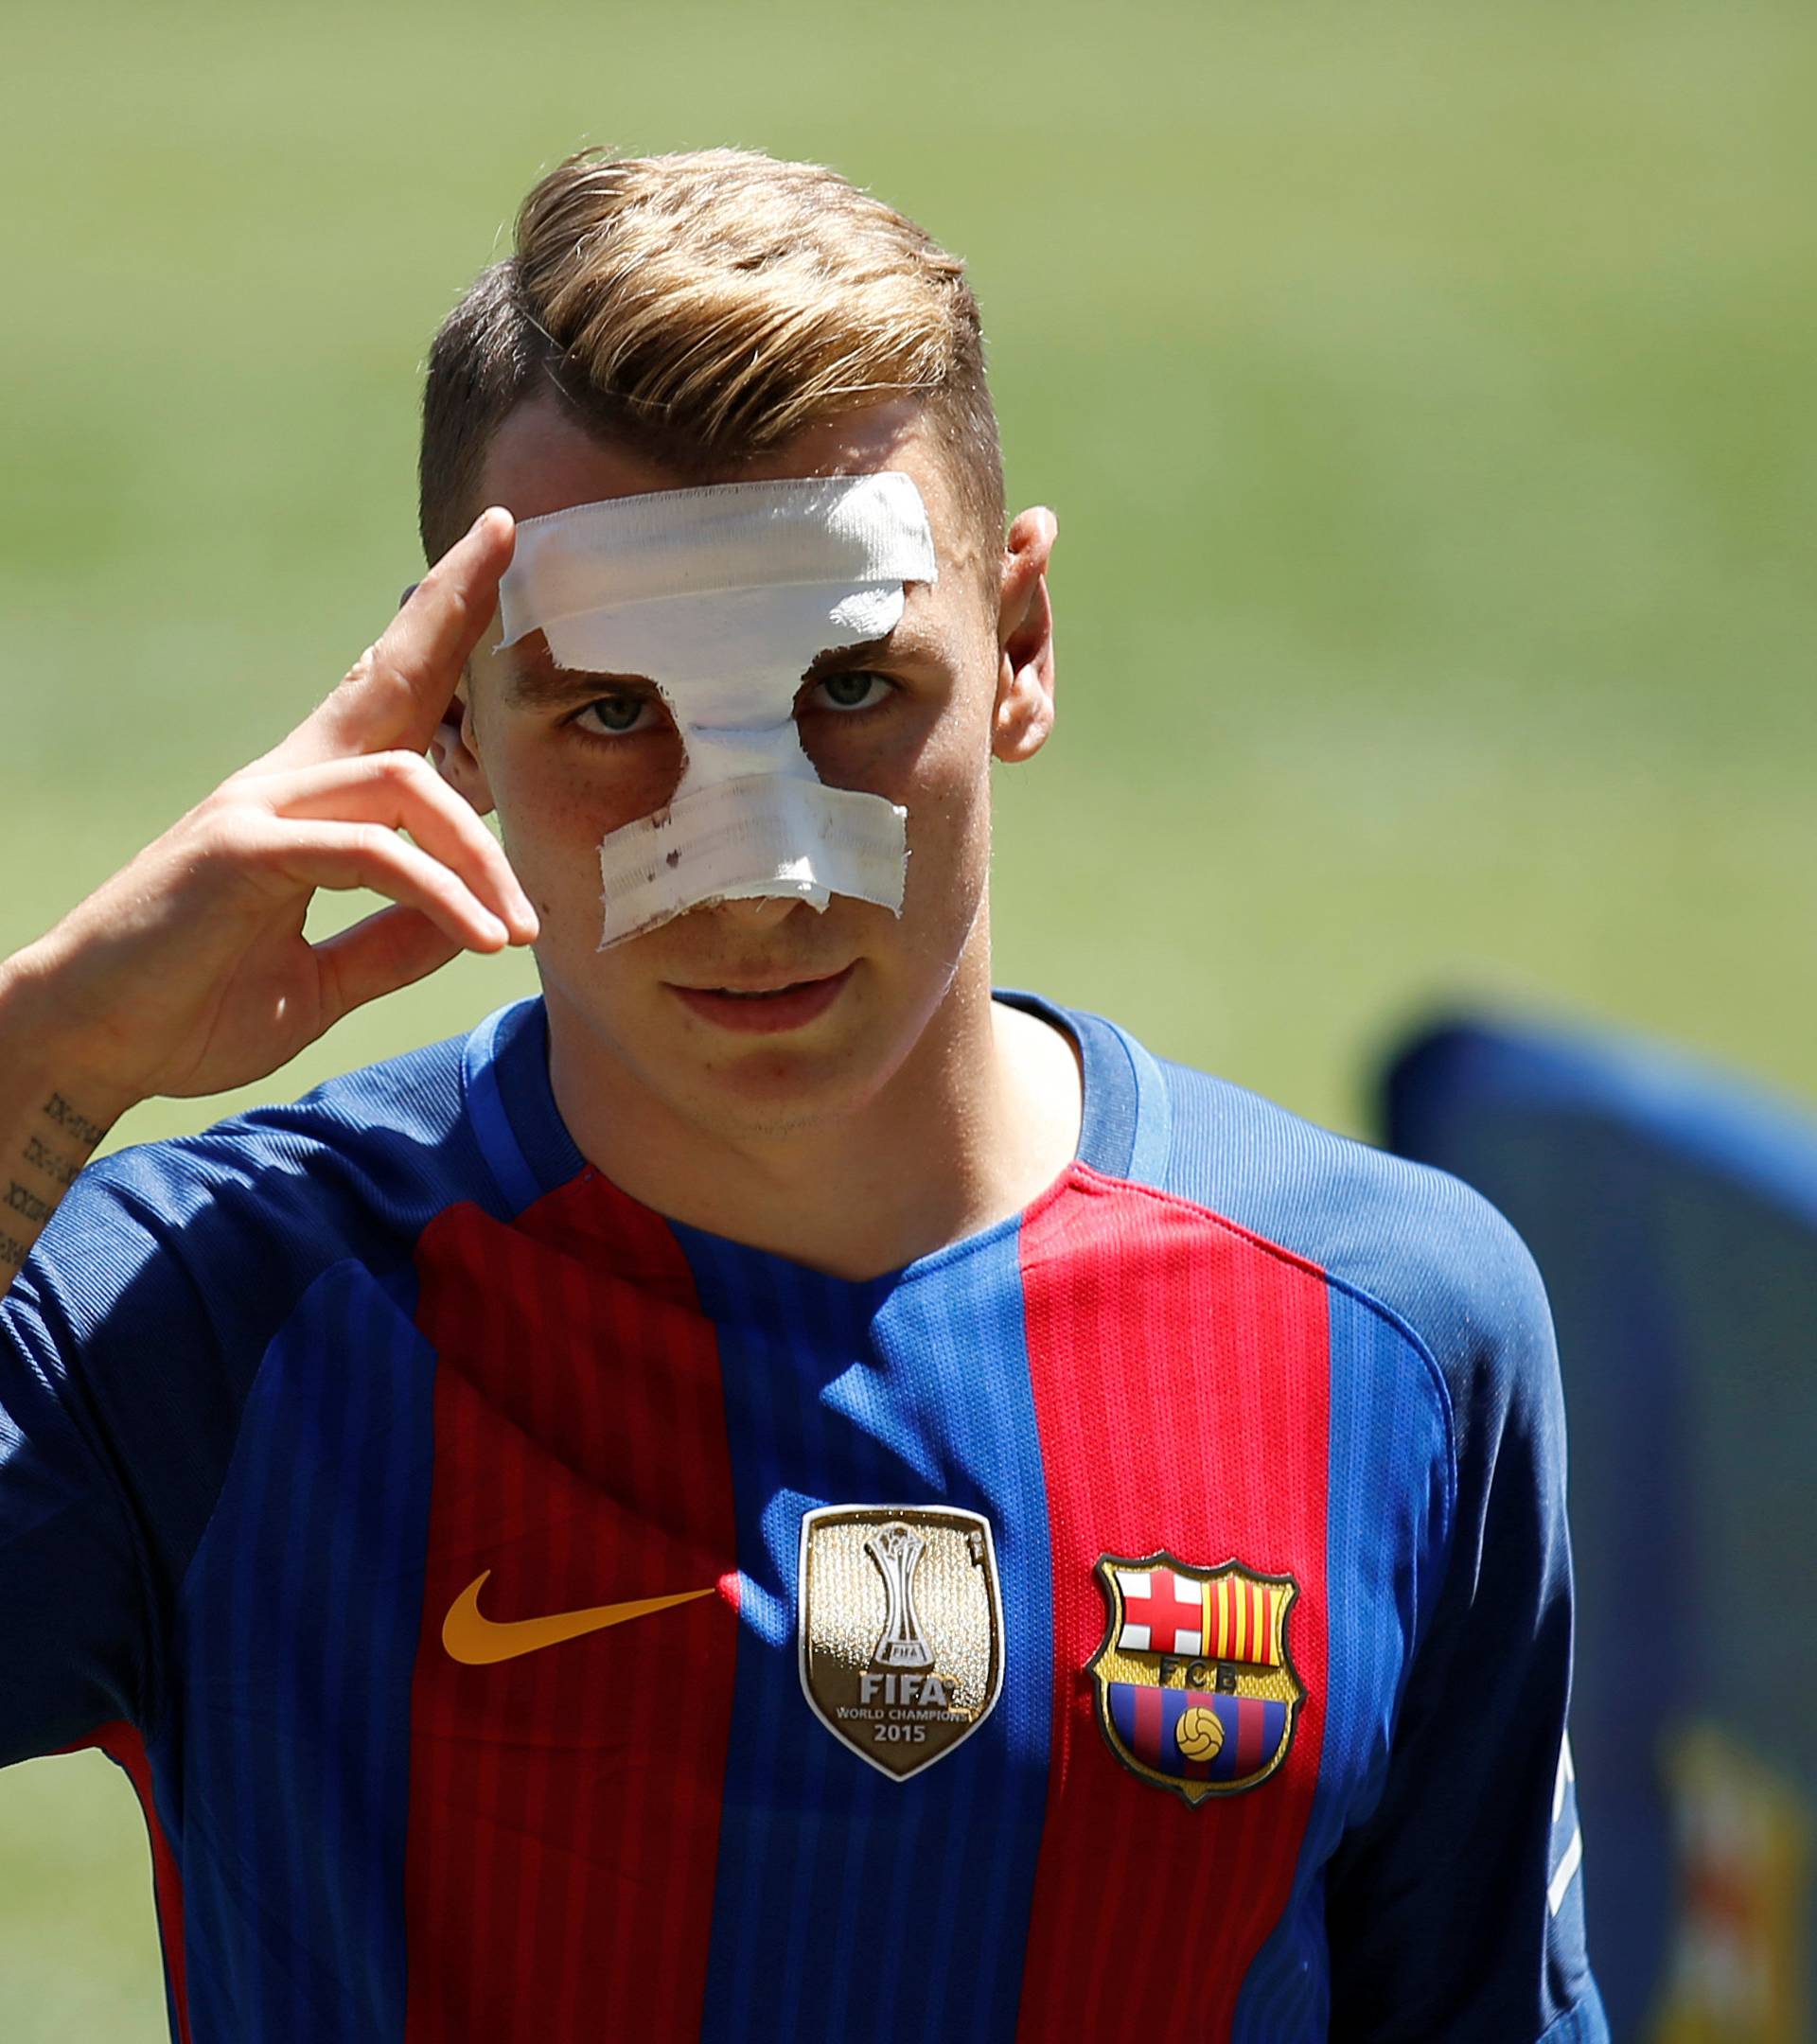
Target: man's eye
{"x":856,"y":691}
{"x":617,"y":716}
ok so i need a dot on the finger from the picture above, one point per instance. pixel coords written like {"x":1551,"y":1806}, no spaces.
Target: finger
{"x":402,"y":789}
{"x":390,"y":949}
{"x":313,"y":854}
{"x":400,"y":688}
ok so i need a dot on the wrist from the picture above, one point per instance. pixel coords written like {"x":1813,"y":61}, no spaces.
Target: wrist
{"x":44,"y":1052}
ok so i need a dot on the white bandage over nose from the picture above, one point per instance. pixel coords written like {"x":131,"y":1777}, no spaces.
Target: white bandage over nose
{"x":723,"y":597}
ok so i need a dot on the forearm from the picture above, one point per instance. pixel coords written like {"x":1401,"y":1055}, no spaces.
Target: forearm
{"x":52,"y":1116}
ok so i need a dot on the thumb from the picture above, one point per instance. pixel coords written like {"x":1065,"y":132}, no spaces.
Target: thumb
{"x":398,"y":690}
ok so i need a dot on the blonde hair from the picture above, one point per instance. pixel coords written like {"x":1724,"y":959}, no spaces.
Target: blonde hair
{"x":703,"y":309}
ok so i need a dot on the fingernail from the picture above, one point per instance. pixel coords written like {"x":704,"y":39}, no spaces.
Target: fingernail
{"x":524,"y":926}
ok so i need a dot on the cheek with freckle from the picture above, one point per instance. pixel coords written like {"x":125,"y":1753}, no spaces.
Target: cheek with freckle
{"x":573,"y":791}
{"x":948,"y":838}
{"x":552,"y":821}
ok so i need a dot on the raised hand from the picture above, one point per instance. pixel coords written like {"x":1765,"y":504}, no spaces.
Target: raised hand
{"x":188,"y":972}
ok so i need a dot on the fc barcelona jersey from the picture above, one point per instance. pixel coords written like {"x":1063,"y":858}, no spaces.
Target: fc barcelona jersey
{"x":526,"y":1617}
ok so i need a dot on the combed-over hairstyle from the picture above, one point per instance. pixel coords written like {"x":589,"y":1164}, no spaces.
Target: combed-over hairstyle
{"x":703,"y":309}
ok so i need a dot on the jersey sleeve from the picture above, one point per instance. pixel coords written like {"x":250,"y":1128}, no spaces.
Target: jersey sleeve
{"x":1455,"y":1910}
{"x":75,"y":1587}
{"x":121,"y":1344}
{"x":128,"y":1345}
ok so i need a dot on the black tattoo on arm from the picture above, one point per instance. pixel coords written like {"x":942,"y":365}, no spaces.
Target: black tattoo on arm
{"x":48,"y":1161}
{"x":59,"y":1170}
{"x":59,"y":1110}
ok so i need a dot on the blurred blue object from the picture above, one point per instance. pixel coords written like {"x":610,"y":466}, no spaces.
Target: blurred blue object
{"x":1672,"y":1210}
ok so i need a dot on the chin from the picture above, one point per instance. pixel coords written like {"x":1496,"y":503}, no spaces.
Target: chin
{"x":755,"y":1094}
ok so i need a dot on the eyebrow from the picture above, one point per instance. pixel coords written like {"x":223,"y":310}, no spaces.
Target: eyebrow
{"x":897,"y":644}
{"x":537,"y":680}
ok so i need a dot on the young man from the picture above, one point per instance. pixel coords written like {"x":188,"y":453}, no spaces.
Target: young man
{"x":768,"y":1493}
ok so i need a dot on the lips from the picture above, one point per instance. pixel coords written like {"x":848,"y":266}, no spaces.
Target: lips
{"x":764,"y":1009}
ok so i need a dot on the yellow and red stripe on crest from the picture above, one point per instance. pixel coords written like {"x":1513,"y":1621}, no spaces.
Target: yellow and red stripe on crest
{"x":1241,"y":1620}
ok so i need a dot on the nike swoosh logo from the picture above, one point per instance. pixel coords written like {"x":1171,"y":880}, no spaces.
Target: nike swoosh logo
{"x":478,"y":1641}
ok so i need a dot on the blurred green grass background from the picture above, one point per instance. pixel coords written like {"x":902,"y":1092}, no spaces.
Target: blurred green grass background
{"x":1425,"y":393}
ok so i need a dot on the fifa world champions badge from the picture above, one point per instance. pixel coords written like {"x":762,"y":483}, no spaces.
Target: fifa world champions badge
{"x":901,"y":1628}
{"x":1195,"y":1687}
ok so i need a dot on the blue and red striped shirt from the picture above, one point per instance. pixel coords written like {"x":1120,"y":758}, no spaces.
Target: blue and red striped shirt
{"x":273,"y":1402}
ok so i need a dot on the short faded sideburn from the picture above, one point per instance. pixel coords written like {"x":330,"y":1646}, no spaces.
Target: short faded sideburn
{"x":701,"y":310}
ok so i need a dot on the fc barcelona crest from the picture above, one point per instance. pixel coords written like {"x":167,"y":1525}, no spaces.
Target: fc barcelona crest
{"x":901,"y":1629}
{"x":1196,"y":1691}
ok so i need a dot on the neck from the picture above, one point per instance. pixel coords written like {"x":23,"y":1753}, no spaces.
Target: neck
{"x":980,"y":1118}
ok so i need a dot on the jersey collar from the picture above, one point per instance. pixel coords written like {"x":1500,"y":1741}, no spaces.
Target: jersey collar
{"x":529,"y":1152}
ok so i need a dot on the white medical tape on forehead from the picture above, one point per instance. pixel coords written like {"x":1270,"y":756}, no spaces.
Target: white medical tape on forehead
{"x":723,"y":598}
{"x":731,"y":535}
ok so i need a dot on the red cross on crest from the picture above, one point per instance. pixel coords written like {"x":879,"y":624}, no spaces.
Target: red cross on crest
{"x":1166,"y":1613}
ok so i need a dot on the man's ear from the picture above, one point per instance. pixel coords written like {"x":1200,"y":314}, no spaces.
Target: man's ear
{"x":455,"y":749}
{"x":1023,"y":714}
